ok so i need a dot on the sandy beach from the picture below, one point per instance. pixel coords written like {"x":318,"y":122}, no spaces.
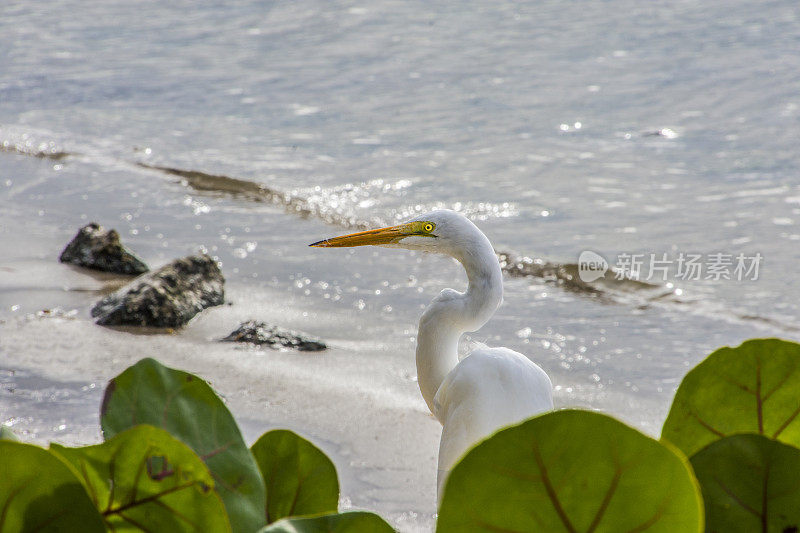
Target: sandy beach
{"x":381,"y":438}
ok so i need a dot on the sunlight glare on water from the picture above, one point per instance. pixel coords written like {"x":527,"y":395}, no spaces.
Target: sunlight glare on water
{"x":631,"y":128}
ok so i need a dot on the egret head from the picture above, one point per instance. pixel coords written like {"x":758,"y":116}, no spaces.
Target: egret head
{"x":442,"y":231}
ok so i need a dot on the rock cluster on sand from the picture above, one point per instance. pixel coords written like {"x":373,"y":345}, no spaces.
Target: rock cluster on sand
{"x":166,"y":298}
{"x":100,"y":249}
{"x":261,"y":333}
{"x":170,"y":296}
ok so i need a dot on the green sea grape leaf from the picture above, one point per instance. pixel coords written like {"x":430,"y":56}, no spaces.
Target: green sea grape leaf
{"x":749,"y":483}
{"x":300,"y":478}
{"x":752,"y":388}
{"x":6,"y":433}
{"x":143,"y":479}
{"x":572,"y":471}
{"x":348,"y":522}
{"x":40,"y":492}
{"x":186,"y":406}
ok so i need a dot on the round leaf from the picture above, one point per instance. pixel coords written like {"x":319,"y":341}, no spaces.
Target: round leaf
{"x":6,"y":433}
{"x":300,"y":478}
{"x":351,"y":522}
{"x":186,"y":406}
{"x":749,"y":483}
{"x":748,"y":389}
{"x":144,"y":479}
{"x":571,"y":471}
{"x":39,"y":492}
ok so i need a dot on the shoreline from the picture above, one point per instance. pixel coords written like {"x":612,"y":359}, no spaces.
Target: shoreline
{"x":366,"y":430}
{"x":358,"y":400}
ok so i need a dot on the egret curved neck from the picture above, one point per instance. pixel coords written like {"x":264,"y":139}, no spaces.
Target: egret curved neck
{"x":453,"y":313}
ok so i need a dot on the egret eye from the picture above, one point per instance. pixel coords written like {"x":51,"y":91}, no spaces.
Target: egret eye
{"x":428,"y":227}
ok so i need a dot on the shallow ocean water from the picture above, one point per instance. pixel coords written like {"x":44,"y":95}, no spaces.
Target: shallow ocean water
{"x":617,"y":128}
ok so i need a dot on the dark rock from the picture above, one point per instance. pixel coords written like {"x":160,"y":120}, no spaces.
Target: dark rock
{"x":94,"y":247}
{"x":261,"y":333}
{"x":609,"y":288}
{"x":668,"y":133}
{"x":564,"y":275}
{"x":166,"y":298}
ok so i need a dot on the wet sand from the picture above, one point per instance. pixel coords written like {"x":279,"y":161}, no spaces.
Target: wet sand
{"x":55,"y":366}
{"x":366,"y":415}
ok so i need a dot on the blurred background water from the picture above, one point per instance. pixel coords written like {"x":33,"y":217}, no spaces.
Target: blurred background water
{"x":617,"y":127}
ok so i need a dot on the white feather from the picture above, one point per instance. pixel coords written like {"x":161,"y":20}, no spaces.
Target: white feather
{"x":490,"y":388}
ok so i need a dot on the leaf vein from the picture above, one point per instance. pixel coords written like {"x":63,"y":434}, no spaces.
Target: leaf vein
{"x":148,"y":499}
{"x":606,"y":500}
{"x":548,"y":486}
{"x":8,"y":503}
{"x":706,"y":425}
{"x":735,"y":498}
{"x":786,"y":423}
{"x":178,"y":514}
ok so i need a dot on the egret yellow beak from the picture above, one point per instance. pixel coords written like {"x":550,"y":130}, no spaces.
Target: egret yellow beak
{"x":388,"y":235}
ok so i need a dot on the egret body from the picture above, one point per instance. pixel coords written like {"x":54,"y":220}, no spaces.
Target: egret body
{"x":475,"y":395}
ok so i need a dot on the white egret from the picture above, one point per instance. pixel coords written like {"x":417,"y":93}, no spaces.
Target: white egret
{"x":488,"y":389}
